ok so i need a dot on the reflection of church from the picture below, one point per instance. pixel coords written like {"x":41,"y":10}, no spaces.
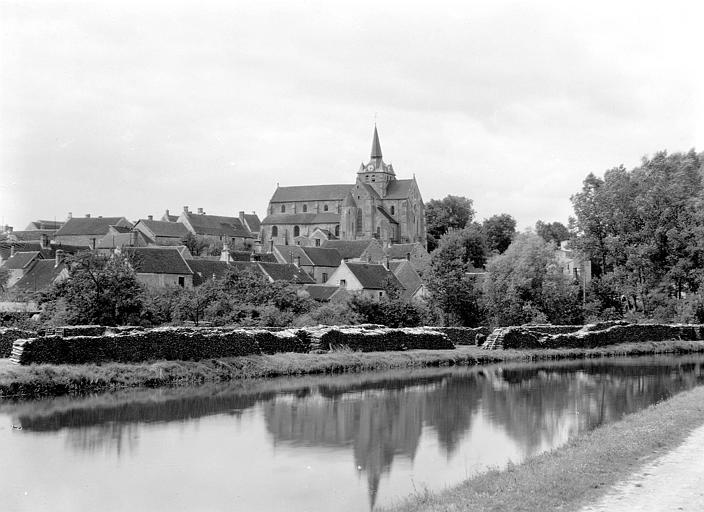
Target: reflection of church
{"x":377,"y":205}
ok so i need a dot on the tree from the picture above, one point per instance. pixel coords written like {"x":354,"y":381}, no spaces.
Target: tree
{"x":499,"y":231}
{"x":526,"y":284}
{"x":453,"y":212}
{"x":195,"y":244}
{"x":552,"y":231}
{"x":100,"y":289}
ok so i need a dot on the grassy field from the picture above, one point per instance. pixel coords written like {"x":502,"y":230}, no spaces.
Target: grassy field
{"x":46,"y":380}
{"x":578,"y":473}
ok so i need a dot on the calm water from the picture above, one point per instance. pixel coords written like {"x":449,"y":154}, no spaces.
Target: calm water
{"x":338,"y":443}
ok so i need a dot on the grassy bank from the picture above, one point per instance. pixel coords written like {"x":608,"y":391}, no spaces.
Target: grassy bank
{"x":45,"y":380}
{"x":578,"y":473}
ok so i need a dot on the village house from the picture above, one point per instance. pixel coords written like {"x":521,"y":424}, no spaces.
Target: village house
{"x":41,"y":274}
{"x":317,"y":262}
{"x":88,"y":231}
{"x":218,"y":229}
{"x":119,"y":237}
{"x":159,"y":232}
{"x":322,"y":293}
{"x":573,"y":265}
{"x":368,"y":279}
{"x":377,"y":205}
{"x":414,"y":253}
{"x":158,"y":267}
{"x":407,"y":275}
{"x":369,"y":251}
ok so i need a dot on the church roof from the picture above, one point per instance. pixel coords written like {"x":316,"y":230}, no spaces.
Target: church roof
{"x":399,"y":189}
{"x":311,"y":193}
{"x":376,"y":146}
{"x":349,"y":200}
{"x":302,"y":218}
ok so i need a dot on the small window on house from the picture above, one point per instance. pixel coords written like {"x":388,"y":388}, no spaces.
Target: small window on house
{"x":296,"y":231}
{"x":381,"y":294}
{"x":305,"y":208}
{"x":373,"y":179}
{"x":182,"y":281}
{"x":317,"y":242}
{"x":393,"y":210}
{"x":275,"y":231}
{"x":325,"y":208}
{"x":325,"y":276}
{"x":408,"y":256}
{"x":343,"y":283}
{"x":283,"y":208}
{"x":378,"y":231}
{"x":337,"y":230}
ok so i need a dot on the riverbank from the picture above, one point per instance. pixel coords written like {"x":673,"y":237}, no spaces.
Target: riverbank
{"x":54,"y":380}
{"x":578,"y":473}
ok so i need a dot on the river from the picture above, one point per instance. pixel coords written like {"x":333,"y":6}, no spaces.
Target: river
{"x":350,"y":442}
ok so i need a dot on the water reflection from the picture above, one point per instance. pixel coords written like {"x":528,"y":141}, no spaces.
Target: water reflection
{"x":382,"y":418}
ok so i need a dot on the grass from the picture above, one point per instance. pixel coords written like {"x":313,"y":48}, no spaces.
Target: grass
{"x":579,"y":472}
{"x":51,"y":380}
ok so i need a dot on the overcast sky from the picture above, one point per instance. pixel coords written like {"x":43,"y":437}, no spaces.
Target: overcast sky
{"x":130,"y":108}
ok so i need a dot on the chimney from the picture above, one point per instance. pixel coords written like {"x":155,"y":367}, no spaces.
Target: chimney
{"x":200,"y":211}
{"x":225,"y":253}
{"x":133,"y":238}
{"x":386,"y":263}
{"x":59,"y":257}
{"x":297,"y":261}
{"x":241,"y":216}
{"x":151,"y":217}
{"x":87,"y":215}
{"x":12,"y":250}
{"x":92,"y":243}
{"x":70,"y":216}
{"x":185,"y":209}
{"x":271,"y":246}
{"x":44,"y":241}
{"x":166,"y":213}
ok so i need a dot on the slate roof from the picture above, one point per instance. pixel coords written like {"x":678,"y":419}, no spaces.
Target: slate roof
{"x":158,"y":260}
{"x":113,"y":241}
{"x":21,"y":260}
{"x":90,"y":225}
{"x":302,"y":218}
{"x":323,"y":257}
{"x":311,"y":193}
{"x":164,"y":228}
{"x":266,"y":257}
{"x":399,"y":251}
{"x":348,"y":248}
{"x":320,"y":292}
{"x":407,"y":275}
{"x":32,"y":235}
{"x":217,"y":225}
{"x":120,"y":229}
{"x":289,"y":253}
{"x":50,"y":225}
{"x":286,"y":272}
{"x":40,"y":276}
{"x":252,"y":220}
{"x":248,"y":265}
{"x":399,"y":189}
{"x":204,"y":270}
{"x":330,"y":235}
{"x":373,"y":276}
{"x":241,"y":256}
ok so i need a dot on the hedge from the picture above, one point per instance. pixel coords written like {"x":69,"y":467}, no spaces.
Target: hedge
{"x":374,"y":340}
{"x":8,"y":335}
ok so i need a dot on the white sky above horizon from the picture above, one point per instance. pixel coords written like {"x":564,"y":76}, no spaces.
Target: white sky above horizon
{"x":129,"y":108}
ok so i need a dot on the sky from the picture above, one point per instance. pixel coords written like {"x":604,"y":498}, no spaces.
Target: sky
{"x":130,"y":108}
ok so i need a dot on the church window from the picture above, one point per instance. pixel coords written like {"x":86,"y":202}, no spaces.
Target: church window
{"x":296,"y":231}
{"x":325,"y":208}
{"x":393,"y":210}
{"x":305,"y":208}
{"x":275,"y":231}
{"x":283,"y":208}
{"x":360,"y":228}
{"x":337,"y":230}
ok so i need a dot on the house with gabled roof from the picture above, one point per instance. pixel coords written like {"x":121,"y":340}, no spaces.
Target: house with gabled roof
{"x":217,"y":228}
{"x":369,"y":279}
{"x":317,"y":262}
{"x":377,"y":205}
{"x":41,"y":275}
{"x":88,"y":231}
{"x":158,"y":267}
{"x":121,"y":237}
{"x":415,"y":253}
{"x":322,"y":293}
{"x":19,"y":264}
{"x":44,"y":225}
{"x":369,"y":251}
{"x":413,"y":285}
{"x":159,"y":232}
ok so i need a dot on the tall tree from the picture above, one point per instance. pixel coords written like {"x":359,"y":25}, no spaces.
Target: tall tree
{"x":552,"y":231}
{"x":499,"y":231}
{"x":452,"y":212}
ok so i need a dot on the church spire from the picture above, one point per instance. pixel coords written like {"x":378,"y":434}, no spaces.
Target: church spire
{"x":376,"y":147}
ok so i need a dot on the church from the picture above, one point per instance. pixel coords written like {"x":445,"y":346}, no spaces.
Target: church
{"x":377,"y":205}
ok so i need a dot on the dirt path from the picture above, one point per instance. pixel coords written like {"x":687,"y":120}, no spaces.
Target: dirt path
{"x":675,"y":481}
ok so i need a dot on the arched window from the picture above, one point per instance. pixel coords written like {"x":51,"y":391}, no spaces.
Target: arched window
{"x":378,"y":231}
{"x":305,"y":208}
{"x":393,"y":210}
{"x":360,"y":227}
{"x":337,"y":230}
{"x":325,"y":208}
{"x":296,"y":231}
{"x":283,"y":208}
{"x":274,"y":231}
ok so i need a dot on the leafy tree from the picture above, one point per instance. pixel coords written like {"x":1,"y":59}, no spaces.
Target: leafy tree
{"x":100,"y":289}
{"x":452,"y":212}
{"x":526,"y":284}
{"x":195,"y":244}
{"x":499,"y":231}
{"x":552,"y":231}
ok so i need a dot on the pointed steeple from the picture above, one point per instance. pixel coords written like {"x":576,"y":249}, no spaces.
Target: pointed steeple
{"x":376,"y":147}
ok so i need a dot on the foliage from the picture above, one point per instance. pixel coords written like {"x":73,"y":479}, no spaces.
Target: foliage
{"x":195,"y":244}
{"x":100,"y":289}
{"x":452,"y":212}
{"x":525,"y":284}
{"x":499,"y":230}
{"x":552,"y":231}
